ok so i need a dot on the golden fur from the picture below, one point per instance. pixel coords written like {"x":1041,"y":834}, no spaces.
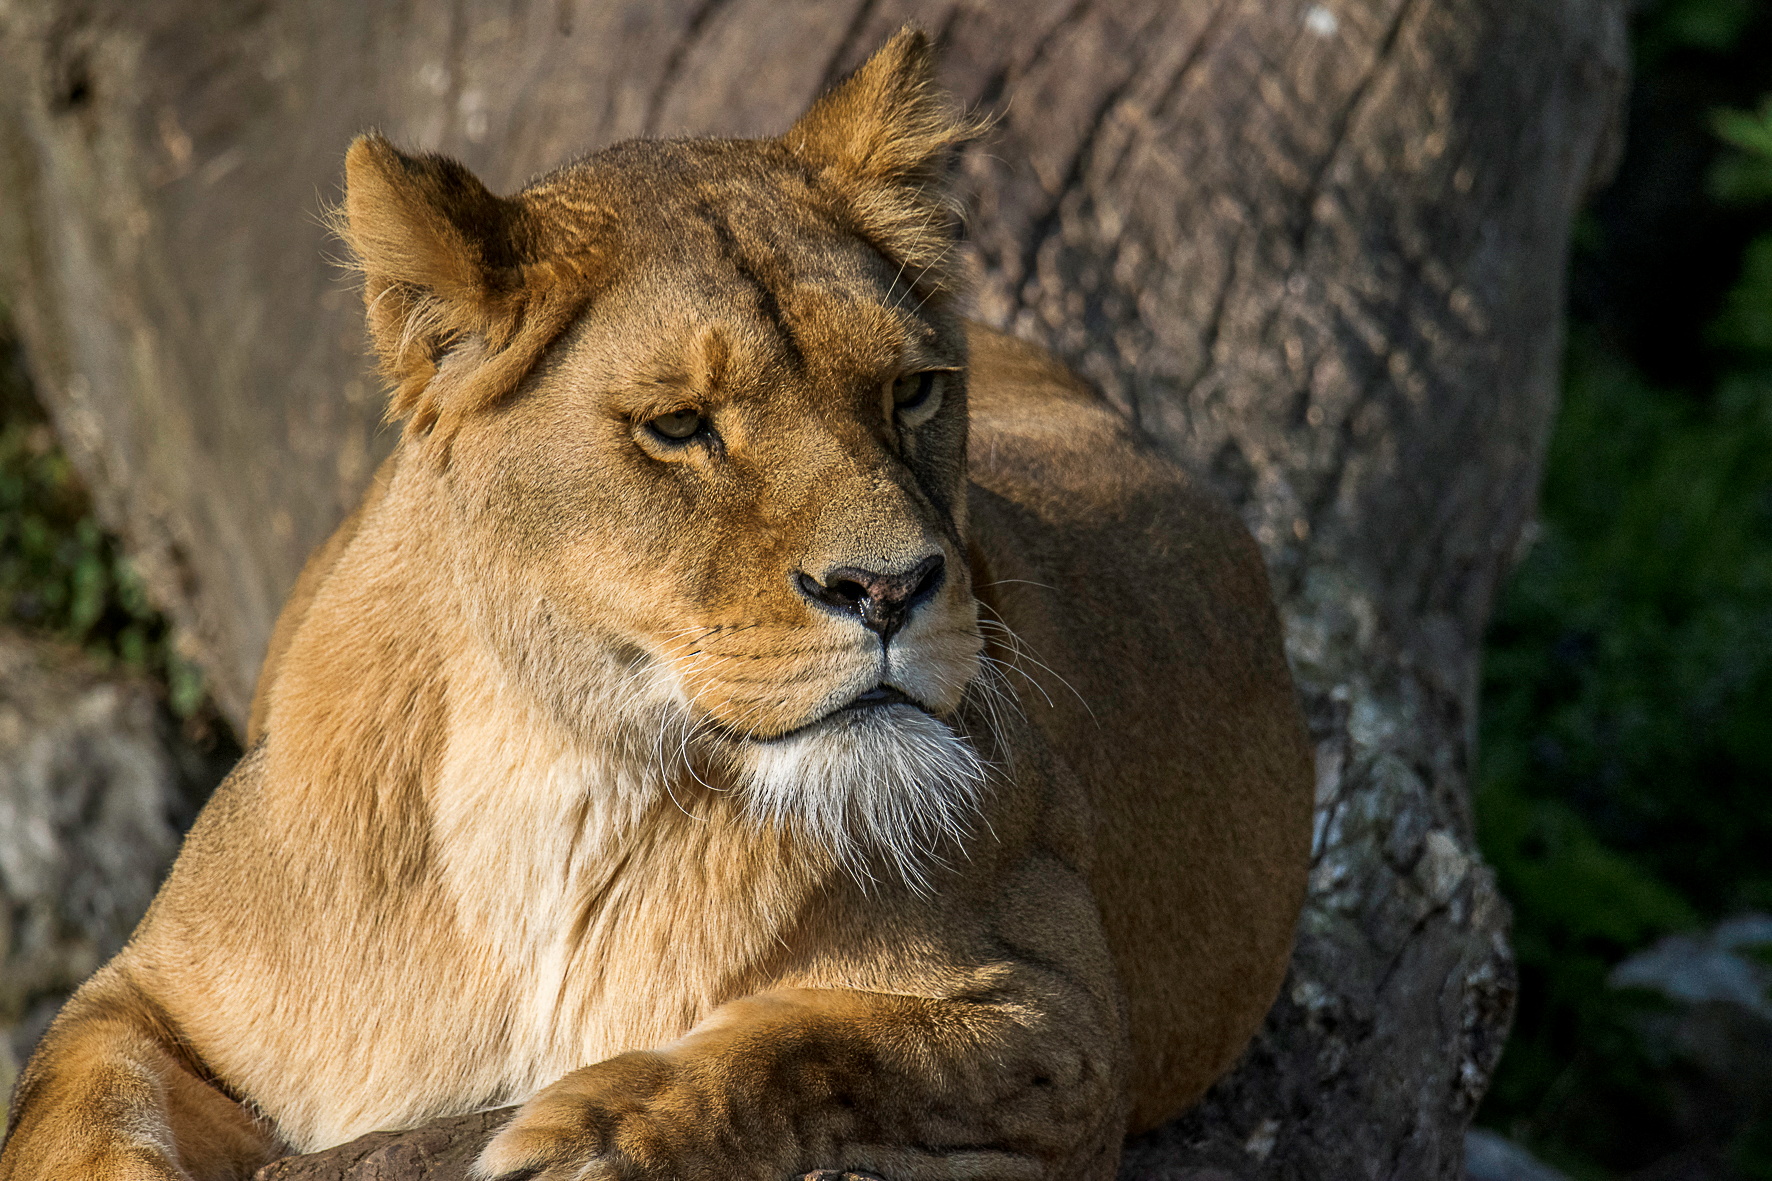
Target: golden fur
{"x":563,"y":789}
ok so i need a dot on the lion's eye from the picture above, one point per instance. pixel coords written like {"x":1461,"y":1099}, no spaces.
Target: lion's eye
{"x":912,"y":390}
{"x":916,"y":397}
{"x":676,"y":427}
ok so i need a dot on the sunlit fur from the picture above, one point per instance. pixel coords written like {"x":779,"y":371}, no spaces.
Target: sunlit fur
{"x":889,"y":785}
{"x":888,"y":790}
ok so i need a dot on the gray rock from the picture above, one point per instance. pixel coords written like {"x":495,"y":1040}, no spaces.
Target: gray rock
{"x":92,"y":800}
{"x":1707,"y":968}
{"x":1711,"y":1033}
{"x":1490,"y":1156}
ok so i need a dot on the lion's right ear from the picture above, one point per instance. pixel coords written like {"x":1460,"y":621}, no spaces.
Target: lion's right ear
{"x":885,"y":138}
{"x":446,"y":273}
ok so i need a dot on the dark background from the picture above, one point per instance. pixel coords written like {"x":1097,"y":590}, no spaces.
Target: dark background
{"x":1625,"y":784}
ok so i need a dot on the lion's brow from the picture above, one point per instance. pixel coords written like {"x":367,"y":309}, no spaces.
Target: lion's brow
{"x":768,"y":303}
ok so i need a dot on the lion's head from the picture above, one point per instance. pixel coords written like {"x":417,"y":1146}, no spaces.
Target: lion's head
{"x":697,"y":410}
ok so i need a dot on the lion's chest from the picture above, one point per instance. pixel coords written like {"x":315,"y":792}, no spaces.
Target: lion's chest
{"x":574,"y":912}
{"x":611,"y":917}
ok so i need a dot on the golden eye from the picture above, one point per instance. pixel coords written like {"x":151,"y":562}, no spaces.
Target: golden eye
{"x":678,"y":427}
{"x":912,"y":390}
{"x":917,"y":396}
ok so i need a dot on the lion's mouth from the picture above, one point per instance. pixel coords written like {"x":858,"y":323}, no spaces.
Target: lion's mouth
{"x":865,"y":705}
{"x":879,"y":695}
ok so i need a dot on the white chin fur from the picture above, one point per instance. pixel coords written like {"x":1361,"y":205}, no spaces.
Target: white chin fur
{"x":888,"y":786}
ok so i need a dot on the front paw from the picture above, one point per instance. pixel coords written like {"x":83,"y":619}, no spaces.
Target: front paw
{"x":649,"y":1117}
{"x":596,"y":1124}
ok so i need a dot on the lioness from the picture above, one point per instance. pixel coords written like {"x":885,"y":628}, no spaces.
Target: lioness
{"x":697,"y":737}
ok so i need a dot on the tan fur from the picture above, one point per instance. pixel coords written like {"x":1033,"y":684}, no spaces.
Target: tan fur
{"x":552,"y":796}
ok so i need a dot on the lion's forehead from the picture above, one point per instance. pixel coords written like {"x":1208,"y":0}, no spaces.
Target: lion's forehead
{"x":691,"y":241}
{"x":718,"y":335}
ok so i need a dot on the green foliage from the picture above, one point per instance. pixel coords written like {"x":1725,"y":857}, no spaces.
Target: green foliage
{"x":1743,"y":176}
{"x":1751,"y":1154}
{"x":1626,"y":750}
{"x":1714,"y":25}
{"x":1630,"y":669}
{"x":60,"y":573}
{"x":1627,"y":729}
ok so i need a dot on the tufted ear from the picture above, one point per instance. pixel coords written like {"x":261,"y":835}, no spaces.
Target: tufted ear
{"x":885,"y":138}
{"x":456,"y":301}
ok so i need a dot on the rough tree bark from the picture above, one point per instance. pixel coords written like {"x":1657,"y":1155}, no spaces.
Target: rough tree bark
{"x":1316,"y":249}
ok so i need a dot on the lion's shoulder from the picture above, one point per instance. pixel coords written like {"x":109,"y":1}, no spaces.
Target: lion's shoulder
{"x":1044,"y":439}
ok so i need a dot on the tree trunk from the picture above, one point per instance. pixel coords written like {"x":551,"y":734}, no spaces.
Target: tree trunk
{"x":1316,"y":249}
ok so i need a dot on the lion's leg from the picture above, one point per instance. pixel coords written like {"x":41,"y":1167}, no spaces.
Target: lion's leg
{"x":804,"y":1081}
{"x":108,"y":1094}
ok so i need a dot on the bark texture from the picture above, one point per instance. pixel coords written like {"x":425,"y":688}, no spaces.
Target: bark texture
{"x":1316,"y":249}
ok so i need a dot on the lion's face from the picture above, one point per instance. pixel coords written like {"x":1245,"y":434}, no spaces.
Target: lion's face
{"x":775,"y":527}
{"x":739,"y":471}
{"x":715,"y":520}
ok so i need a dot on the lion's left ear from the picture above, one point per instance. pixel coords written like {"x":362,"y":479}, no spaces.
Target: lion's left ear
{"x":885,"y":137}
{"x":458,"y":307}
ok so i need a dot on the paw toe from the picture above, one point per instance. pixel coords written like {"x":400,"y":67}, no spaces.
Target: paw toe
{"x":838,"y":1175}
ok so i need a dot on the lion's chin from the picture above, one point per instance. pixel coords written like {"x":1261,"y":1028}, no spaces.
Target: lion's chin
{"x":889,"y":786}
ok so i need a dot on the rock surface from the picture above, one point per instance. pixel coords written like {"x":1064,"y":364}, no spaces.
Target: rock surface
{"x":94,"y":792}
{"x":1710,"y":1034}
{"x":1718,"y":966}
{"x":1490,"y":1156}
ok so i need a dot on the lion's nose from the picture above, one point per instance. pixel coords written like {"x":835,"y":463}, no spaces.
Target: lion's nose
{"x":881,"y":601}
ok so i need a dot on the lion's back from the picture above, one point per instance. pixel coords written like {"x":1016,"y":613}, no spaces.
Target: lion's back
{"x":1148,"y":602}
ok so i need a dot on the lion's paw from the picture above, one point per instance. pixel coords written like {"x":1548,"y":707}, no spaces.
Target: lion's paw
{"x":579,"y":1127}
{"x":526,"y":1152}
{"x":838,"y":1175}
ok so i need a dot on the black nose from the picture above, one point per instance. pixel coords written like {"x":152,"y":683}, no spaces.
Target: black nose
{"x":881,"y":601}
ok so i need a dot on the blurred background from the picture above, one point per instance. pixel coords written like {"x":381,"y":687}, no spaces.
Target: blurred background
{"x":1624,"y":790}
